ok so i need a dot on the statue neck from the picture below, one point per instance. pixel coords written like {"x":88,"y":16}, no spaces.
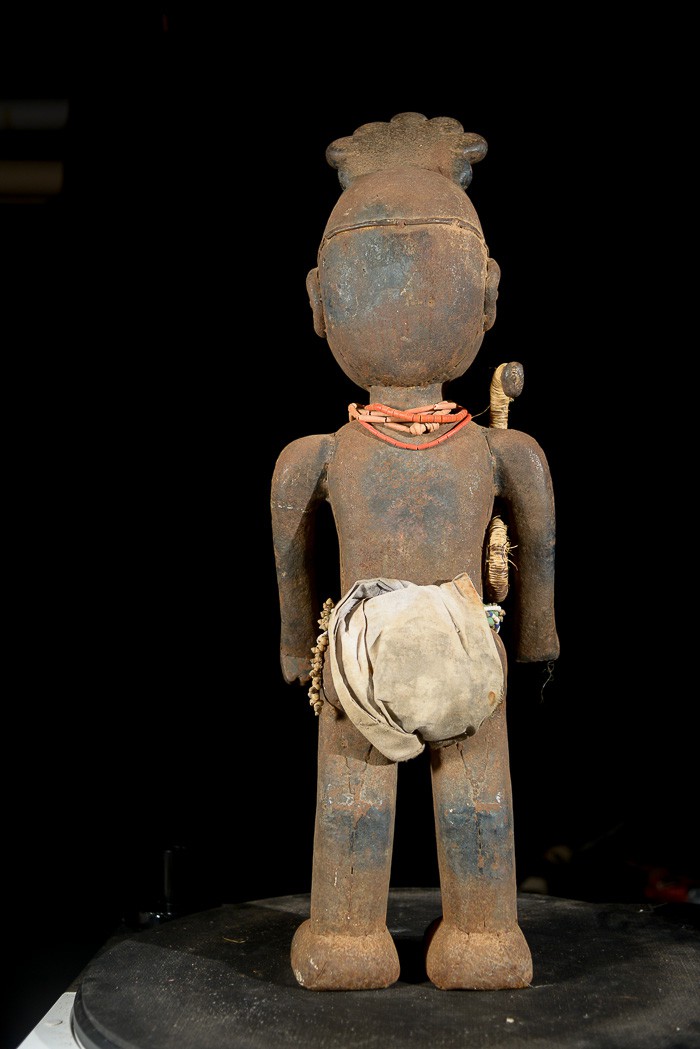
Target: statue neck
{"x":406,"y":397}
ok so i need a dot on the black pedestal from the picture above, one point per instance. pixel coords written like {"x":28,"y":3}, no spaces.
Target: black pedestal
{"x":605,"y":976}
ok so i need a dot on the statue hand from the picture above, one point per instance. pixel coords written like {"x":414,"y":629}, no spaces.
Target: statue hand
{"x":296,"y":668}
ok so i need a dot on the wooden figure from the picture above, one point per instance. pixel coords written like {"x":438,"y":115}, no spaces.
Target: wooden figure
{"x":424,"y":497}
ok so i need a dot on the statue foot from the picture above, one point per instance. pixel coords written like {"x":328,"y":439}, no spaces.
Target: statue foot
{"x":478,"y":961}
{"x":337,"y":962}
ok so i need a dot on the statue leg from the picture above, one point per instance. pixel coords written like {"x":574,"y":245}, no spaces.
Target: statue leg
{"x":477,"y":944}
{"x":345,"y":944}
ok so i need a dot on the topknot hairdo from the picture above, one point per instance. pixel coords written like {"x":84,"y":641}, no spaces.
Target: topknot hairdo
{"x":440,"y":144}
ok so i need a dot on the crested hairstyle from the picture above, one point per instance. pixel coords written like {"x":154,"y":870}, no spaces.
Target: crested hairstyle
{"x":440,"y":144}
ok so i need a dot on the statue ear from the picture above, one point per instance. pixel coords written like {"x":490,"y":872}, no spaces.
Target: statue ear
{"x":493,"y":275}
{"x":313,"y":288}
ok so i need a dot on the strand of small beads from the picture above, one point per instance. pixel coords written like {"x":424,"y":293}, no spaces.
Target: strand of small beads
{"x":494,"y":615}
{"x":318,"y":653}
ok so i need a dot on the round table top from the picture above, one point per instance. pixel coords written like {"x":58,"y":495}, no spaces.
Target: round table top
{"x":615,"y":976}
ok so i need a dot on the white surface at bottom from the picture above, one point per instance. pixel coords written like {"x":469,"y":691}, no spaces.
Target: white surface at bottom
{"x":55,"y":1030}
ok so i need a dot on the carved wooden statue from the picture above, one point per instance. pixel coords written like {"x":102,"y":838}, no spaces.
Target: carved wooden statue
{"x":409,"y":656}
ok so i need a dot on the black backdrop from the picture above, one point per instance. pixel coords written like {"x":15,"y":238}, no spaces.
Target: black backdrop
{"x":161,"y":354}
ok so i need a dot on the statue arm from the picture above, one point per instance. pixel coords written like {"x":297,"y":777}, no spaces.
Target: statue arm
{"x":298,"y":487}
{"x":524,"y":484}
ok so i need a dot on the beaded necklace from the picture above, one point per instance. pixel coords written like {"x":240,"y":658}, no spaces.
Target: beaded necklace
{"x":426,"y":419}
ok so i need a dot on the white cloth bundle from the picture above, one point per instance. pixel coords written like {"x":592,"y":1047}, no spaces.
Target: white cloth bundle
{"x":414,"y":663}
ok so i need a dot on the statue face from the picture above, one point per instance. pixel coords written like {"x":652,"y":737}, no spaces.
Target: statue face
{"x":403,"y":304}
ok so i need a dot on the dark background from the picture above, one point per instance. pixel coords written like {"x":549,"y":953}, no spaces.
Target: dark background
{"x":159,"y":353}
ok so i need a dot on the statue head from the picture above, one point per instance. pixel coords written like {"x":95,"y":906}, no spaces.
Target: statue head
{"x":404,"y":288}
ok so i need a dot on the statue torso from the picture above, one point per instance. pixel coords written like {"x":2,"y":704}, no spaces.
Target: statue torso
{"x":415,"y":515}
